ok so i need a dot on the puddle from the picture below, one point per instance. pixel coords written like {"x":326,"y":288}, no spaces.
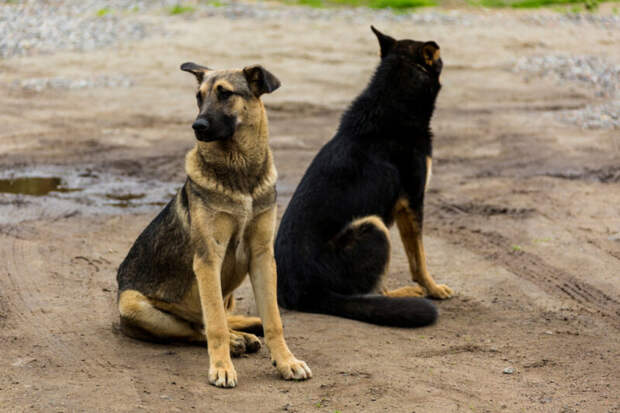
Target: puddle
{"x":34,"y":185}
{"x":124,"y":200}
{"x":51,"y":192}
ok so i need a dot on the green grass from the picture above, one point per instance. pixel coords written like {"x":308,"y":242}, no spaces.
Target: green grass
{"x":180,"y":9}
{"x":401,"y":4}
{"x":574,"y":6}
{"x":103,"y":12}
{"x":311,"y":3}
{"x":373,"y":4}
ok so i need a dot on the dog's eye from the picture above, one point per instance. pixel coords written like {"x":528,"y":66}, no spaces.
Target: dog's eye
{"x":222,"y":93}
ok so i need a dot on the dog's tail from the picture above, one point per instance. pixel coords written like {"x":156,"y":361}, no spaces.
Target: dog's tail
{"x":379,"y":309}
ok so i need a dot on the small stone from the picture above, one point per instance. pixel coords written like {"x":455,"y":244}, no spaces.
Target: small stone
{"x":20,"y":362}
{"x":509,"y":370}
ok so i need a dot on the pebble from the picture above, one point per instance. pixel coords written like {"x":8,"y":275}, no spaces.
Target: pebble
{"x":509,"y":370}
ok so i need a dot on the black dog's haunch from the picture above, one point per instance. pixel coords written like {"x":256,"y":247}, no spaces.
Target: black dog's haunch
{"x":333,"y":245}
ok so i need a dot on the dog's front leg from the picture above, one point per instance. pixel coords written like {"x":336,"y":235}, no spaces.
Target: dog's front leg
{"x":264,"y":283}
{"x":211,"y":238}
{"x":410,"y":227}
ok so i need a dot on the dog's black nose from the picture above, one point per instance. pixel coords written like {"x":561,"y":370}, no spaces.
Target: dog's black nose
{"x":200,"y":125}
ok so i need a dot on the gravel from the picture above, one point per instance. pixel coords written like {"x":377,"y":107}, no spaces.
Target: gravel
{"x":602,"y":21}
{"x":103,"y":81}
{"x":36,"y":26}
{"x":606,"y":116}
{"x":44,"y":26}
{"x":591,"y":72}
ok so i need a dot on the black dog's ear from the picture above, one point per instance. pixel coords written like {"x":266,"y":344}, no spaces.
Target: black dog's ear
{"x":260,"y":79}
{"x":431,"y":56}
{"x":385,"y":42}
{"x":430,"y":52}
{"x":197,"y":70}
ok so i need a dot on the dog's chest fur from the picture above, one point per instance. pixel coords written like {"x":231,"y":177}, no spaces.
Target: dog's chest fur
{"x":241,"y":197}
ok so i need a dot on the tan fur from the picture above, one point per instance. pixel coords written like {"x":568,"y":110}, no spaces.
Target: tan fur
{"x":429,"y":172}
{"x":411,"y":235}
{"x":134,"y":306}
{"x":231,"y":231}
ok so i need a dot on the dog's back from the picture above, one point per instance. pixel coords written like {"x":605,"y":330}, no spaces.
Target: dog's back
{"x":159,"y":264}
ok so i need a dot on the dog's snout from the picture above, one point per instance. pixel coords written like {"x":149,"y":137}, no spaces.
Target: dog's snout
{"x":200,"y":125}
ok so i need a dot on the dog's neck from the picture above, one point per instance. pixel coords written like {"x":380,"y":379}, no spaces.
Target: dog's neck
{"x":243,"y":163}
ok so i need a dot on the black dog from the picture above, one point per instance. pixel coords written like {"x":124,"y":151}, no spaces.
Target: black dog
{"x":333,"y":245}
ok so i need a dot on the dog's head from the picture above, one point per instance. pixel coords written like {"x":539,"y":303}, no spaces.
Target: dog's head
{"x":420,"y":56}
{"x":228,"y":99}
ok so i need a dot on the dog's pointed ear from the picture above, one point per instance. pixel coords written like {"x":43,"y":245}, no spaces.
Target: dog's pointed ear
{"x":386,"y":43}
{"x":260,"y":79}
{"x":197,"y":70}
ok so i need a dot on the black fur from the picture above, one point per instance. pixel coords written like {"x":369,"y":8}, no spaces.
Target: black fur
{"x":160,"y":260}
{"x":377,"y":157}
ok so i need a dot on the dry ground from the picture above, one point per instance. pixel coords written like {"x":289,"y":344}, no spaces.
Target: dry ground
{"x":523,"y":221}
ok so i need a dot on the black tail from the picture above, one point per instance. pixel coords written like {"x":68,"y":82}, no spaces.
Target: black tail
{"x":378,"y":309}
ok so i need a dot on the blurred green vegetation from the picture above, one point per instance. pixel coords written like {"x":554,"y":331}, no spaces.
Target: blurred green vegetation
{"x":180,"y":9}
{"x":373,"y":4}
{"x":573,"y":6}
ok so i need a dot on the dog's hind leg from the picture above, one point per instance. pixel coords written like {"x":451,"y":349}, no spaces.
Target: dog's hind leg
{"x":241,"y":343}
{"x":364,"y":247}
{"x":359,"y":255}
{"x":251,"y":325}
{"x":143,"y":321}
{"x":407,"y":291}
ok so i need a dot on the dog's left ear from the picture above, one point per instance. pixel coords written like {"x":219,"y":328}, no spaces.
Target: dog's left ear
{"x":197,"y":70}
{"x":260,"y":79}
{"x":386,"y":43}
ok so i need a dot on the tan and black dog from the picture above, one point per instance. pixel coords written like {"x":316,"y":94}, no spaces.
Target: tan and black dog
{"x":177,"y":281}
{"x":333,"y":246}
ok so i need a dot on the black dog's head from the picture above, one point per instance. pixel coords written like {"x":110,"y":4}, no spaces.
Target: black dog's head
{"x":423,"y":56}
{"x":228,"y":99}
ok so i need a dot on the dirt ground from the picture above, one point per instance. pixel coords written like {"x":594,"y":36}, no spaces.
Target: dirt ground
{"x":522,"y":221}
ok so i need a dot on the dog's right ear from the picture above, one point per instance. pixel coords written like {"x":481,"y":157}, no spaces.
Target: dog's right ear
{"x":386,"y":43}
{"x":197,"y":70}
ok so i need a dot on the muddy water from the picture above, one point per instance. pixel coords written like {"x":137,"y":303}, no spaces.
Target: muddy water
{"x":56,"y":192}
{"x":36,"y":186}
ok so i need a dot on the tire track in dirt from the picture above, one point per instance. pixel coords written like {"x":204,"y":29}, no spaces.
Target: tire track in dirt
{"x":33,"y":306}
{"x":498,"y":249}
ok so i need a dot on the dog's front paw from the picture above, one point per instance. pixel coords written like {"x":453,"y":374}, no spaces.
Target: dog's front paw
{"x":441,"y":292}
{"x":222,"y":374}
{"x":293,"y":369}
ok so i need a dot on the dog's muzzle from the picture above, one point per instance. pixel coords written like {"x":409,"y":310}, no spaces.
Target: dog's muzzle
{"x":201,"y":125}
{"x":201,"y":129}
{"x":209,"y":129}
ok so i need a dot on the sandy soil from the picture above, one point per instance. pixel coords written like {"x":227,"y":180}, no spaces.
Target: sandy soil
{"x":523,"y":221}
